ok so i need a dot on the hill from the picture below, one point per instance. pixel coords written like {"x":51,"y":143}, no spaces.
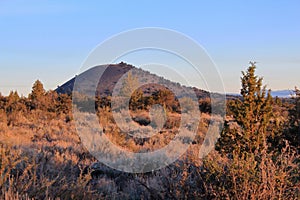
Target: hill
{"x":114,"y":72}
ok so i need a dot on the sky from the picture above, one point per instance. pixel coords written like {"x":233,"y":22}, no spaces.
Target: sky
{"x":49,"y":40}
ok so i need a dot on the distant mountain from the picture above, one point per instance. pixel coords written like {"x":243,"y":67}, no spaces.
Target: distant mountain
{"x":277,"y":93}
{"x":282,"y":93}
{"x":114,"y":72}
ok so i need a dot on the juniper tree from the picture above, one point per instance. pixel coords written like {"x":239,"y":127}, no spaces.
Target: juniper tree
{"x":12,"y":101}
{"x":251,"y":114}
{"x":128,"y":90}
{"x":130,"y":82}
{"x":37,"y":94}
{"x":38,"y":90}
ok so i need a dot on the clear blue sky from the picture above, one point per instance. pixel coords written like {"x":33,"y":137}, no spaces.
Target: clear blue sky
{"x":49,"y":40}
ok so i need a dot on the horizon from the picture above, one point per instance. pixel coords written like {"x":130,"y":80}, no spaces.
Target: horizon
{"x":287,"y":93}
{"x":50,"y":40}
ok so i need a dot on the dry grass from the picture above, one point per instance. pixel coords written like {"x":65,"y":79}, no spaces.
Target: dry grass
{"x":42,"y":157}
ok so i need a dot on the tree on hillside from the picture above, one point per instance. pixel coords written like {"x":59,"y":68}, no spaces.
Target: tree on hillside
{"x":14,"y":107}
{"x":130,"y":82}
{"x":252,"y":116}
{"x":12,"y":101}
{"x":136,"y":100}
{"x":37,"y":95}
{"x":64,"y":103}
{"x":38,"y":90}
{"x":166,"y":98}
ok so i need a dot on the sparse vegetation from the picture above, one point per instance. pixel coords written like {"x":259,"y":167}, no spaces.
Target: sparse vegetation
{"x":257,"y":156}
